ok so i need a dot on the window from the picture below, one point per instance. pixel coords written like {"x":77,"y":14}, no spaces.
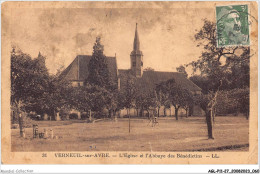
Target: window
{"x":134,"y":64}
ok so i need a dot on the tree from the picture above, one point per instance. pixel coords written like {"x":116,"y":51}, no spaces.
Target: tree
{"x":148,"y":69}
{"x":111,"y":102}
{"x":130,"y":92}
{"x":139,"y":103}
{"x":29,"y":81}
{"x":181,"y":69}
{"x":130,"y":95}
{"x":98,"y":68}
{"x":187,"y":101}
{"x":159,"y":99}
{"x":233,"y":101}
{"x":59,"y":94}
{"x":205,"y":101}
{"x":90,"y":98}
{"x":163,"y":95}
{"x":220,"y":64}
{"x":80,"y":98}
{"x":149,"y":102}
{"x":180,"y":97}
{"x":174,"y":94}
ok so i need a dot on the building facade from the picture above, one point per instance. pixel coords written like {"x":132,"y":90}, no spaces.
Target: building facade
{"x":77,"y":73}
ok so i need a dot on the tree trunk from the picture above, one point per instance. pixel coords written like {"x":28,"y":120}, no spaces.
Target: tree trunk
{"x":209,"y":121}
{"x":90,"y":116}
{"x":187,"y":111}
{"x":129,"y":120}
{"x":191,"y":108}
{"x":158,"y":112}
{"x":141,"y":112}
{"x":164,"y":111}
{"x":13,"y":117}
{"x":170,"y":112}
{"x":213,"y":113}
{"x":247,"y":115}
{"x":21,"y":124}
{"x":57,"y":117}
{"x":115,"y":115}
{"x":137,"y":112}
{"x":54,"y":113}
{"x":109,"y":113}
{"x":176,"y":113}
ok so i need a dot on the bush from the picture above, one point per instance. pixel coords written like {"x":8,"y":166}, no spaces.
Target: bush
{"x":233,"y":101}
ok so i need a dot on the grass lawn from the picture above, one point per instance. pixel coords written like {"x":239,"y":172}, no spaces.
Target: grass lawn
{"x":186,"y":134}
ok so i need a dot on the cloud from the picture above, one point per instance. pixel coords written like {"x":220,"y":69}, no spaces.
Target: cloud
{"x":166,"y":34}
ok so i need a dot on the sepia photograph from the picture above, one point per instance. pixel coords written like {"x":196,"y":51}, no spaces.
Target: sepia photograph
{"x":129,"y":82}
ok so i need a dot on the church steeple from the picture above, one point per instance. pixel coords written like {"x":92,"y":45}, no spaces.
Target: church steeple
{"x":136,"y":57}
{"x":136,"y":40}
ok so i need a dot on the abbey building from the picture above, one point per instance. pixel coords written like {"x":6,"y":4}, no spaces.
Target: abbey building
{"x":77,"y":71}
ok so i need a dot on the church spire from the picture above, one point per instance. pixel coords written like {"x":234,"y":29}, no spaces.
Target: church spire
{"x":136,"y":57}
{"x":136,"y":40}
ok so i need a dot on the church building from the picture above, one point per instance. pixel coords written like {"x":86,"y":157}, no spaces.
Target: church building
{"x":77,"y":73}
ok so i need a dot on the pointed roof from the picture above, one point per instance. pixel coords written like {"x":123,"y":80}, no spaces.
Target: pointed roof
{"x":136,"y":40}
{"x":78,"y":69}
{"x":150,"y":79}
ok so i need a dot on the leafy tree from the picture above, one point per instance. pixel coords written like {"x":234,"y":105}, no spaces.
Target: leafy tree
{"x":29,"y":81}
{"x":162,"y":97}
{"x":149,"y":102}
{"x":33,"y":88}
{"x":221,"y":64}
{"x":148,"y":69}
{"x":159,"y":100}
{"x":181,"y":69}
{"x":187,"y":101}
{"x":180,"y":97}
{"x":130,"y":92}
{"x":57,"y":96}
{"x":139,"y":103}
{"x":233,"y":101}
{"x":111,"y":102}
{"x":98,"y":68}
{"x":173,"y":94}
{"x":80,"y":98}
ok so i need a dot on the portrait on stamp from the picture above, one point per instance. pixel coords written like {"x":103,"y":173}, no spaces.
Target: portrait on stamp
{"x":232,"y":25}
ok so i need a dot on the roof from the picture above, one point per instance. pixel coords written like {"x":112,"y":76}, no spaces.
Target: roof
{"x":150,"y":78}
{"x":78,"y":69}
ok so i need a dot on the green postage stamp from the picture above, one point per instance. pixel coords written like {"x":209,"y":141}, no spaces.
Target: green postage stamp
{"x":232,"y":25}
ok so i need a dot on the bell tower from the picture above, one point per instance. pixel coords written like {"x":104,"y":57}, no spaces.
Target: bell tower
{"x":136,"y":57}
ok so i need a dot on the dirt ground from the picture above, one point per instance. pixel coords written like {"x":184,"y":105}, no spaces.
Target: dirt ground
{"x":186,"y":134}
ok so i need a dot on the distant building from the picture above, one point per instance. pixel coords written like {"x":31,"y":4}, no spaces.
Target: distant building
{"x":77,"y":73}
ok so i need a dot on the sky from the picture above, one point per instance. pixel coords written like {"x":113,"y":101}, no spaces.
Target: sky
{"x":166,"y":34}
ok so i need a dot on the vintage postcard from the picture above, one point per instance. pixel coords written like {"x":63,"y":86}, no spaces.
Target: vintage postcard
{"x":129,"y":82}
